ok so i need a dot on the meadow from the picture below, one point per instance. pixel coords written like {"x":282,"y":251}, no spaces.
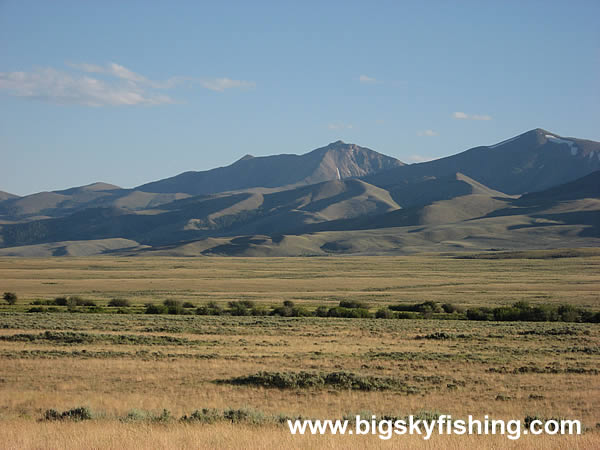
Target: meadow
{"x":234,"y":379}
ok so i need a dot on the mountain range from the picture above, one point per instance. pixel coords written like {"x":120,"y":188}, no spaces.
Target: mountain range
{"x":535,"y":190}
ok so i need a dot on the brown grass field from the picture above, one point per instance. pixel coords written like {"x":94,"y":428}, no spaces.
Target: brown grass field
{"x":146,"y":363}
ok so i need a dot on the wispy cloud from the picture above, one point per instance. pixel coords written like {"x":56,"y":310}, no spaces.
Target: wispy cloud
{"x":420,"y":158}
{"x":221,"y":84}
{"x":427,"y":133}
{"x":465,"y":116}
{"x":112,"y":69}
{"x":339,"y":126}
{"x":367,"y":79}
{"x":118,"y":86}
{"x":63,"y":88}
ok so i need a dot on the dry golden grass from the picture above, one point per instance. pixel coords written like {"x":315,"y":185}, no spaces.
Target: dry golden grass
{"x":19,"y":435}
{"x":310,"y":280}
{"x":113,"y":379}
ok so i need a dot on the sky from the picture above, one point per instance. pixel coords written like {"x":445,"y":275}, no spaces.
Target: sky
{"x":131,"y":92}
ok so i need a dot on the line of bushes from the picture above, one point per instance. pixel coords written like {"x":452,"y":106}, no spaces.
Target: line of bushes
{"x":200,"y":416}
{"x":335,"y":380}
{"x":522,"y":311}
{"x":71,"y":302}
{"x":248,"y":416}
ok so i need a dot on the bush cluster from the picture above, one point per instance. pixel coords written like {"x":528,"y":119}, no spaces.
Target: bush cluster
{"x":69,"y":302}
{"x":119,"y":303}
{"x":306,"y":380}
{"x":167,"y":307}
{"x":522,"y":311}
{"x":75,"y":414}
{"x":10,"y":298}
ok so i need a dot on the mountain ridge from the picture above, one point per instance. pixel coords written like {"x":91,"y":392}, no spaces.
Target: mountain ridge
{"x":525,"y":163}
{"x":344,"y":199}
{"x":280,"y":170}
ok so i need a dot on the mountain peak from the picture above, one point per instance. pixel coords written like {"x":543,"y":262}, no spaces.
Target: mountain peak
{"x":335,"y":161}
{"x":246,"y":157}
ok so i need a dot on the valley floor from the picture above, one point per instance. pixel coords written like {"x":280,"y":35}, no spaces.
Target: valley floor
{"x":128,"y":368}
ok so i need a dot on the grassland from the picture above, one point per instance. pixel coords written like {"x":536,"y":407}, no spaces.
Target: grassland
{"x":135,"y":366}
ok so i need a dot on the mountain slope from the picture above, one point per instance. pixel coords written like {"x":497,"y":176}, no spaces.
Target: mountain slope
{"x":319,"y":165}
{"x":64,"y":202}
{"x":532,"y":161}
{"x":422,"y":207}
{"x":585,"y":187}
{"x":448,"y":199}
{"x":213,"y":215}
{"x":6,"y":196}
{"x":555,"y":218}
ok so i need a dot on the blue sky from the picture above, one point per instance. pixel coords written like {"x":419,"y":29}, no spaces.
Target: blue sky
{"x":129,"y":92}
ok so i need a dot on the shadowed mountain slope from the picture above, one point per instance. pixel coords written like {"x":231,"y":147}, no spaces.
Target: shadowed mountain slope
{"x":214,"y":215}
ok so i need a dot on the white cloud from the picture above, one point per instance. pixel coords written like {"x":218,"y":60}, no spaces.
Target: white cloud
{"x":420,"y":158}
{"x":60,"y":87}
{"x":220,"y":84}
{"x":427,"y":133}
{"x":464,"y":116}
{"x":339,"y":126}
{"x":118,"y":87}
{"x":367,"y":79}
{"x":113,"y":69}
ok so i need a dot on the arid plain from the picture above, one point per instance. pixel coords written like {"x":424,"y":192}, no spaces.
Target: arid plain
{"x":140,"y":374}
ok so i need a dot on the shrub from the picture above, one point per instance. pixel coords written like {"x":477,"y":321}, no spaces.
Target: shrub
{"x":189,"y":305}
{"x":173,"y":306}
{"x":241,"y":308}
{"x":321,"y":311}
{"x":568,"y":313}
{"x":353,"y":304}
{"x":384,"y":313}
{"x":10,"y":298}
{"x":70,"y":302}
{"x":164,"y":417}
{"x":39,"y":301}
{"x":75,"y":414}
{"x":349,"y":313}
{"x":119,"y":303}
{"x":425,"y":307}
{"x":205,"y":415}
{"x":75,"y":300}
{"x":210,"y":309}
{"x":151,"y":308}
{"x":480,"y":314}
{"x":406,"y":315}
{"x":299,"y":311}
{"x":449,"y":308}
{"x":438,"y":335}
{"x":259,"y":310}
{"x":244,"y":416}
{"x":136,"y":415}
{"x":289,"y":310}
{"x":306,"y":380}
{"x":61,"y":301}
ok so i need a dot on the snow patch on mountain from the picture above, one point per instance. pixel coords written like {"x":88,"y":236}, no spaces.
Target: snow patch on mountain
{"x":571,"y":144}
